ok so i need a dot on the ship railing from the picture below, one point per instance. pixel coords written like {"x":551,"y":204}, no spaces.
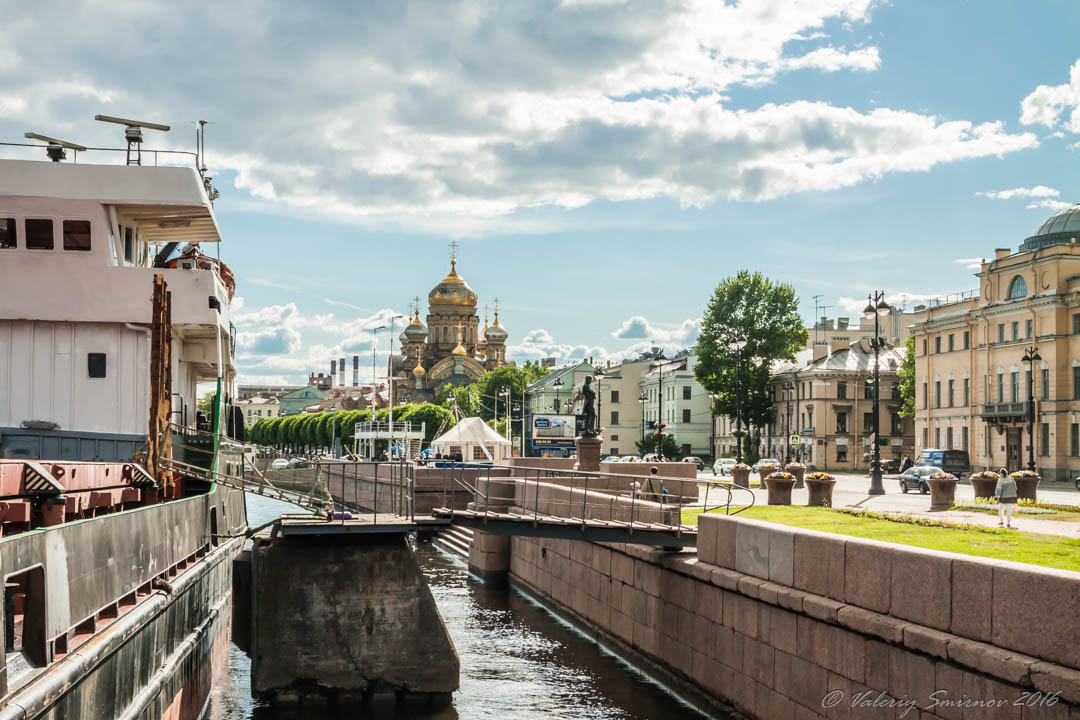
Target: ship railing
{"x":165,"y":154}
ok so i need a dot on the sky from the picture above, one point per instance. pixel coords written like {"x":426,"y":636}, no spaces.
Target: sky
{"x":602,"y":164}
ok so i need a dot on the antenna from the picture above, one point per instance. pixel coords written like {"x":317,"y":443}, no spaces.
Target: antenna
{"x":133,"y":134}
{"x":55,"y":150}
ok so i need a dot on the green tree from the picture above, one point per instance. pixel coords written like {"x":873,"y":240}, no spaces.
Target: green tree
{"x":205,"y":404}
{"x":465,"y":397}
{"x":906,"y":378}
{"x":670,"y":447}
{"x":433,"y":416}
{"x":766,"y":314}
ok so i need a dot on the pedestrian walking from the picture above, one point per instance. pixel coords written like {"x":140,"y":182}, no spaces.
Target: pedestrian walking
{"x":1005,"y":492}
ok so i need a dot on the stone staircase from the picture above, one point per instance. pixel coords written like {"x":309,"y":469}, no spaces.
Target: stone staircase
{"x":454,"y":540}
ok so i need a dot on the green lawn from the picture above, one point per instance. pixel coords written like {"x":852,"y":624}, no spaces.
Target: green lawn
{"x":1043,"y":511}
{"x":999,"y":544}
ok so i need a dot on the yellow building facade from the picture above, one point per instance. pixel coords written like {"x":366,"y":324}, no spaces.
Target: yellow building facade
{"x":973,"y":389}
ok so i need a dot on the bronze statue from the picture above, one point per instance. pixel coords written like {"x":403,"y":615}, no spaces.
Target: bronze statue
{"x":588,"y":407}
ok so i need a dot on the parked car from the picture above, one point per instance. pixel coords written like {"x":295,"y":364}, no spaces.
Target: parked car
{"x":630,"y":458}
{"x":279,"y":464}
{"x":696,"y":460}
{"x":914,"y":478}
{"x":723,"y":466}
{"x":651,"y":457}
{"x":613,"y":458}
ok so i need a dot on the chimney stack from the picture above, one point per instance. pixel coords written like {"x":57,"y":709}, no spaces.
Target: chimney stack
{"x":355,"y":370}
{"x":342,"y":371}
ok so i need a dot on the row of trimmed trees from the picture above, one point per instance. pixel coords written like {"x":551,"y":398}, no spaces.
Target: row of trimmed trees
{"x":314,"y":431}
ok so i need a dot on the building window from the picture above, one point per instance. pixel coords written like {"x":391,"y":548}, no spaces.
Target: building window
{"x":39,"y":235}
{"x":1076,"y":383}
{"x":7,"y":233}
{"x":926,"y":437}
{"x":1001,"y":387}
{"x":937,"y":393}
{"x":948,"y":438}
{"x":614,"y":417}
{"x":1074,"y":440}
{"x":868,"y":390}
{"x":924,"y":346}
{"x":614,"y":396}
{"x":937,"y":344}
{"x":1076,"y":323}
{"x":841,"y":423}
{"x":1015,"y":331}
{"x":841,"y":453}
{"x":1018,"y":288}
{"x":614,"y":438}
{"x":77,"y":235}
{"x":897,"y":424}
{"x":951,"y":339}
{"x":1014,"y":386}
{"x":937,"y":437}
{"x":952,"y":383}
{"x":1044,"y":439}
{"x":477,"y":452}
{"x":925,"y":395}
{"x":967,"y":391}
{"x":963,"y":438}
{"x":1046,"y":383}
{"x":686,"y":415}
{"x":1029,"y":328}
{"x":95,"y":365}
{"x":1030,"y":387}
{"x":841,"y":390}
{"x":685,"y":392}
{"x":967,"y":339}
{"x":868,"y":422}
{"x":129,"y":245}
{"x":1001,"y":332}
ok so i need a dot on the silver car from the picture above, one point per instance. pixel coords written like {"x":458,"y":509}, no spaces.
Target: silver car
{"x":723,"y":466}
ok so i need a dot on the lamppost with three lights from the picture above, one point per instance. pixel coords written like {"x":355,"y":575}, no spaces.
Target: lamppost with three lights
{"x":1031,"y":356}
{"x":876,"y":308}
{"x":737,"y":343}
{"x":558,"y":385}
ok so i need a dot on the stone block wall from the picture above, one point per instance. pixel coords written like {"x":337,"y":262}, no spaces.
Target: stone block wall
{"x":785,"y":623}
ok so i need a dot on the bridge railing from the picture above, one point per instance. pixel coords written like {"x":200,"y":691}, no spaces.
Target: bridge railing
{"x":534,"y":493}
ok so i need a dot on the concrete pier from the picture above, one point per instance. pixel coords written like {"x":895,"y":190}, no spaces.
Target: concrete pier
{"x":344,"y":618}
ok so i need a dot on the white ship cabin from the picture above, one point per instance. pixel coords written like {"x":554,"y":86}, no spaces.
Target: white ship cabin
{"x":79,"y":247}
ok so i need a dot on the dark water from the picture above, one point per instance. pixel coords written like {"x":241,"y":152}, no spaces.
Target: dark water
{"x":517,"y":659}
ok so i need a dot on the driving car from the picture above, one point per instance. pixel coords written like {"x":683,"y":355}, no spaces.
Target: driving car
{"x":696,"y":460}
{"x":723,"y":466}
{"x":914,"y":478}
{"x":279,"y":464}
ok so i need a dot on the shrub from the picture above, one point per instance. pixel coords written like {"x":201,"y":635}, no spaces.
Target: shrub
{"x":820,"y":476}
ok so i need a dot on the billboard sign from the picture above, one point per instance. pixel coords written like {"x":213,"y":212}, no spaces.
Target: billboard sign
{"x":551,"y":432}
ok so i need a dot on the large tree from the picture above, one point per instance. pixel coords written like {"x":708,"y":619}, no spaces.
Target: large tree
{"x":766,"y":315}
{"x":906,"y":379}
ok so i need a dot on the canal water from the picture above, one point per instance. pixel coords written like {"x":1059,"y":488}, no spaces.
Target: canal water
{"x":518,"y":660}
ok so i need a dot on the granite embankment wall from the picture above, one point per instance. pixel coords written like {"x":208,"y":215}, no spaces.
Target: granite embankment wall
{"x":787,"y":623}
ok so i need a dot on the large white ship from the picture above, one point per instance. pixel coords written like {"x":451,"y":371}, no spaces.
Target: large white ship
{"x":117,"y":565}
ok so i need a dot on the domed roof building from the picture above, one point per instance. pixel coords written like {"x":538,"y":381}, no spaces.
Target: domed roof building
{"x":450,"y":348}
{"x":989,"y":362}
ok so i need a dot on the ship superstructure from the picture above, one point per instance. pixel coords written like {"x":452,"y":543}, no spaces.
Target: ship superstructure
{"x":116,"y":566}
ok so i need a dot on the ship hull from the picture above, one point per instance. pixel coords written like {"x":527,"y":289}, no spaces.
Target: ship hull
{"x":160,"y":657}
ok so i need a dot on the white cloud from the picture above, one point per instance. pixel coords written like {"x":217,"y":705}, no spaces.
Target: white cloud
{"x":1039,"y":191}
{"x":1054,"y":205}
{"x":1048,"y":104}
{"x":854,"y":306}
{"x":450,"y":118}
{"x":970,"y":263}
{"x":539,"y":343}
{"x":639,"y":328}
{"x":269,"y":341}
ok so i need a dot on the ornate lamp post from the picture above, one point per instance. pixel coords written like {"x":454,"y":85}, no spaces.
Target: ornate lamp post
{"x":641,"y":399}
{"x":558,"y":385}
{"x":712,"y":429}
{"x":876,"y":307}
{"x":599,"y":375}
{"x":1031,"y":355}
{"x":737,"y":344}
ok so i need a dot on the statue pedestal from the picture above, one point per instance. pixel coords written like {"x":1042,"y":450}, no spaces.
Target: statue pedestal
{"x":588,"y":453}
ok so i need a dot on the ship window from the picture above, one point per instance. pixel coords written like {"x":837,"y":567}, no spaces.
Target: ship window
{"x":77,"y":235}
{"x":7,"y":233}
{"x":95,"y":365}
{"x":129,"y":245}
{"x":39,"y":235}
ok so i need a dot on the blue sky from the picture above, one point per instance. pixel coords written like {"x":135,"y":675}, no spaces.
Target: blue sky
{"x":602,"y":164}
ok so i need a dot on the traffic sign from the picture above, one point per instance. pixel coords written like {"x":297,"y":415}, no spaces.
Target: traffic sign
{"x":794,"y":440}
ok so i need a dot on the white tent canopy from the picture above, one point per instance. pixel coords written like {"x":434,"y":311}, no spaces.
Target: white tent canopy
{"x":474,"y":440}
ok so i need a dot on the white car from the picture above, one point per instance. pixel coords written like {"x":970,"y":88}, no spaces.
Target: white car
{"x":723,"y":466}
{"x":612,"y":458}
{"x":279,"y":464}
{"x":630,"y":458}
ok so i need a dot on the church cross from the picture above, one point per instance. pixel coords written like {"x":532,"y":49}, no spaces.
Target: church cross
{"x":453,"y":251}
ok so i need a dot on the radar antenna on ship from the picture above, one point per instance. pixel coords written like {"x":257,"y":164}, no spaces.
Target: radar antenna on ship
{"x":56,"y":148}
{"x":133,"y":134}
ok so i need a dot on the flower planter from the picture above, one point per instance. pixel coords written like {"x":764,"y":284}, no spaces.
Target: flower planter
{"x":820,"y":492}
{"x":942,"y":492}
{"x":740,"y":476}
{"x":1027,"y":487}
{"x":799,"y":471}
{"x":764,"y":472}
{"x":779,"y":490}
{"x":984,"y":487}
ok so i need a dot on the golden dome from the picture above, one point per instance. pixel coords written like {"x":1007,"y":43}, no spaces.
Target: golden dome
{"x":459,"y":350}
{"x":452,"y":290}
{"x":418,"y":370}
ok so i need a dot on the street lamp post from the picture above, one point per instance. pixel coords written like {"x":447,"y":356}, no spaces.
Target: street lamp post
{"x":876,"y":307}
{"x":737,"y":344}
{"x":712,"y":429}
{"x":660,"y":425}
{"x":1031,"y":355}
{"x":599,"y":399}
{"x":558,"y":385}
{"x":505,"y":393}
{"x":641,"y":399}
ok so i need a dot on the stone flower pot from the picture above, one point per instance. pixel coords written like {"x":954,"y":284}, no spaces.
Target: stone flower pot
{"x":740,"y":476}
{"x":779,"y":488}
{"x":942,"y":492}
{"x":820,"y":492}
{"x":1027,"y":487}
{"x":799,"y":471}
{"x":984,"y":487}
{"x":766,"y":471}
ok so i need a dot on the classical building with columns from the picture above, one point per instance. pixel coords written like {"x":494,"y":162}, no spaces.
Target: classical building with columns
{"x":973,"y":388}
{"x":451,"y":348}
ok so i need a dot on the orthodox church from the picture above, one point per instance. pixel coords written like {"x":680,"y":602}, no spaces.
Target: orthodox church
{"x":451,"y":348}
